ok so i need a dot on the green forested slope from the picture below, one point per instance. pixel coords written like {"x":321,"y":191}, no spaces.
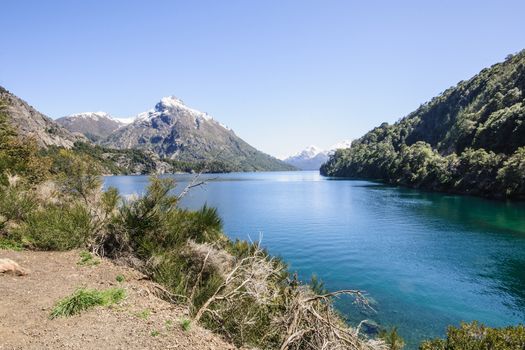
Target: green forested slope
{"x":470,"y":139}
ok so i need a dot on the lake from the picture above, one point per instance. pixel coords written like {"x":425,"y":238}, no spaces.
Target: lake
{"x":426,"y":260}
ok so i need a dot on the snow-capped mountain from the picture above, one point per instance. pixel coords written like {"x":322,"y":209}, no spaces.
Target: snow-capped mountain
{"x":94,"y":125}
{"x":173,"y":130}
{"x":312,"y":157}
{"x":341,"y":145}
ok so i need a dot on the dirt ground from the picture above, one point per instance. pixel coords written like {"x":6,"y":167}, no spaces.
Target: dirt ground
{"x":141,"y":321}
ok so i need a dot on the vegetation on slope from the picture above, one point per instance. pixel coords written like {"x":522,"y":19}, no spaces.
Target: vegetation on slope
{"x":52,"y":137}
{"x":233,"y":288}
{"x":136,"y":161}
{"x":477,"y":336}
{"x":470,"y":139}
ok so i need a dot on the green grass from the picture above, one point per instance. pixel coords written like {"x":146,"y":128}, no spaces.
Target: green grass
{"x":144,"y":314}
{"x":185,"y":324}
{"x":155,"y":333}
{"x":87,"y":259}
{"x":120,"y":278}
{"x":9,"y":244}
{"x":83,"y":299}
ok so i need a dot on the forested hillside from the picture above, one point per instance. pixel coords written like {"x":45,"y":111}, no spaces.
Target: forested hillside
{"x":470,"y":139}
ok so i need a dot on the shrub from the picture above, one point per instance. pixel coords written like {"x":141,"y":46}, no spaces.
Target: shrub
{"x":77,"y":174}
{"x":473,"y":336}
{"x":206,"y":225}
{"x":392,"y":339}
{"x":57,"y":227}
{"x":84,"y":299}
{"x":19,"y":156}
{"x":16,"y":203}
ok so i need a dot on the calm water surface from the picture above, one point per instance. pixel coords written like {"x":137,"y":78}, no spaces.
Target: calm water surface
{"x":426,"y":260}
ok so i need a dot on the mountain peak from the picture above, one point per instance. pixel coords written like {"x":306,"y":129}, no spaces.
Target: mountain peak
{"x":175,"y":131}
{"x":91,"y":115}
{"x":93,"y":125}
{"x":312,"y":157}
{"x":169,"y":102}
{"x":310,"y":151}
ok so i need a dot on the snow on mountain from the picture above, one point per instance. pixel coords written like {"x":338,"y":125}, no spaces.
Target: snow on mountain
{"x":312,"y":157}
{"x":124,"y":121}
{"x":341,"y":145}
{"x":309,"y":152}
{"x":173,"y":130}
{"x":93,"y":125}
{"x":90,"y":115}
{"x":171,"y":104}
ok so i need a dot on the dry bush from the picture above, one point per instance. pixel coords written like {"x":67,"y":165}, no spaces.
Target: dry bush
{"x":311,"y":322}
{"x":253,"y":305}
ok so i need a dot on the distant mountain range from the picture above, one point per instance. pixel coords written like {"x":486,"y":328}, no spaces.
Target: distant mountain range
{"x":312,"y":157}
{"x":175,"y":131}
{"x":94,"y":125}
{"x":170,"y":137}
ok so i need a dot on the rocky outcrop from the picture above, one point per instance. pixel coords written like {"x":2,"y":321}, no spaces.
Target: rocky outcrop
{"x":31,"y":123}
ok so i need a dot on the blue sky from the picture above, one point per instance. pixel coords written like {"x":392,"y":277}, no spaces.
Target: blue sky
{"x":283,"y":74}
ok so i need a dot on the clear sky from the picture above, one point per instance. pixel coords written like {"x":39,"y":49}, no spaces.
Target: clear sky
{"x":283,"y":74}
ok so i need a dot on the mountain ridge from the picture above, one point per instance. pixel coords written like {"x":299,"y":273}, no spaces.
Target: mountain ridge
{"x":94,"y":125}
{"x":173,"y":130}
{"x":31,"y":123}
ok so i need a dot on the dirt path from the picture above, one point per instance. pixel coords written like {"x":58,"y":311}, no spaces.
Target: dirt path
{"x":141,"y":321}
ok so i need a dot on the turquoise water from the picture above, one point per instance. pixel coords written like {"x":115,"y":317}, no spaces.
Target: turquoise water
{"x":426,"y":260}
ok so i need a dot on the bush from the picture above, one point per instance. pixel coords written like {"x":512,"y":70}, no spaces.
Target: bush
{"x":16,"y":203}
{"x":473,"y":336}
{"x":19,"y":156}
{"x":392,"y":339}
{"x":77,"y":174}
{"x":206,"y":225}
{"x":57,"y":227}
{"x":83,"y":299}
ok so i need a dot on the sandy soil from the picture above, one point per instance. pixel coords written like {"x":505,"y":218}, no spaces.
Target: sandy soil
{"x":141,"y":321}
